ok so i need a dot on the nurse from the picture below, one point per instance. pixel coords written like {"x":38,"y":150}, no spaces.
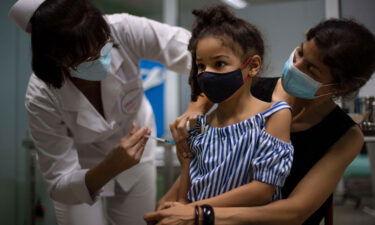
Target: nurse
{"x":82,"y":99}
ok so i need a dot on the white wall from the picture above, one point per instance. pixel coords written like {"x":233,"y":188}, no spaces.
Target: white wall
{"x":362,"y":11}
{"x":283,"y":24}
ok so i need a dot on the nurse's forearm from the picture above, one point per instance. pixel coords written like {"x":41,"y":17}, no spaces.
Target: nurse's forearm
{"x":99,"y":175}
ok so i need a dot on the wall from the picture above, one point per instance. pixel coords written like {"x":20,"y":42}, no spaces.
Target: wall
{"x":362,"y":11}
{"x":15,"y":70}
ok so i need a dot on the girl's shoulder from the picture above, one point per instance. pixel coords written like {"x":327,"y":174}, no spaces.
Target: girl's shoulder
{"x":277,"y":108}
{"x":278,"y":120}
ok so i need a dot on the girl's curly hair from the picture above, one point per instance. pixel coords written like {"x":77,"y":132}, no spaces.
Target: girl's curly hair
{"x":217,"y":21}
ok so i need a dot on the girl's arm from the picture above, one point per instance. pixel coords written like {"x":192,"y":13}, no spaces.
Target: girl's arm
{"x":306,"y":198}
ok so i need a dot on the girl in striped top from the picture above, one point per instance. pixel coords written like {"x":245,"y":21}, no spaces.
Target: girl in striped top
{"x":241,"y":149}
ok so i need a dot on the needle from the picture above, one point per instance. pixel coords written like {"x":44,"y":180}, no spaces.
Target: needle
{"x":161,"y":139}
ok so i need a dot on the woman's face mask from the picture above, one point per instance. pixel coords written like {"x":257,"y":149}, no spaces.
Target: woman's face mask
{"x":95,"y":70}
{"x":299,"y":84}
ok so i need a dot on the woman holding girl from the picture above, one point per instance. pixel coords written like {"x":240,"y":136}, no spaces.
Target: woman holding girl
{"x":336,"y":59}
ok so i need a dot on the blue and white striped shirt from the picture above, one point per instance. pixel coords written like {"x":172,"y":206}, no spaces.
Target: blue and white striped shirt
{"x":231,"y":156}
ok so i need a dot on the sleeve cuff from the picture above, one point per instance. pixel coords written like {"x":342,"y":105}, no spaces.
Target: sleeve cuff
{"x":270,"y":178}
{"x":80,"y":190}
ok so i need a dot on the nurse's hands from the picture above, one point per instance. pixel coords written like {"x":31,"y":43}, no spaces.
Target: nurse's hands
{"x":127,"y":154}
{"x":130,"y":149}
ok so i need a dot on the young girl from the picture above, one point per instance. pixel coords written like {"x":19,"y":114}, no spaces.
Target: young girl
{"x":245,"y":141}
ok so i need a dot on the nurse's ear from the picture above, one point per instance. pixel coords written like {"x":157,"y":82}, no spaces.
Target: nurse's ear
{"x":254,"y":66}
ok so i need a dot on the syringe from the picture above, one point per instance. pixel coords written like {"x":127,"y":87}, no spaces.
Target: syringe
{"x":161,"y":139}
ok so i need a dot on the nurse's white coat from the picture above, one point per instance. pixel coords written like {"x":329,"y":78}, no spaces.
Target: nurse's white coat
{"x":71,"y":136}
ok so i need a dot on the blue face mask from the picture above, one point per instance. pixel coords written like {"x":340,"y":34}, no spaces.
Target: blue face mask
{"x":95,"y":70}
{"x":299,"y":84}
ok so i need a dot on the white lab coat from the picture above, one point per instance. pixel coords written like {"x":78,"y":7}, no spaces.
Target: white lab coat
{"x":71,"y":136}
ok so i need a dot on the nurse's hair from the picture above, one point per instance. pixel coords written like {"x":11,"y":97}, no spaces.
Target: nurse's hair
{"x":217,"y":21}
{"x":64,"y":34}
{"x":348,"y":50}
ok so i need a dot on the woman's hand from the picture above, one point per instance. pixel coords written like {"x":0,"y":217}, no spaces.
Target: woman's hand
{"x":199,"y":107}
{"x":167,"y":205}
{"x":179,"y":130}
{"x":184,"y":154}
{"x":182,"y":125}
{"x":178,"y":215}
{"x":130,"y":149}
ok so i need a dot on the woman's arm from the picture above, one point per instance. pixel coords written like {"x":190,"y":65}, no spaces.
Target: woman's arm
{"x":306,"y":198}
{"x":170,"y":196}
{"x":185,"y":159}
{"x":309,"y":194}
{"x":252,"y":194}
{"x":184,"y":185}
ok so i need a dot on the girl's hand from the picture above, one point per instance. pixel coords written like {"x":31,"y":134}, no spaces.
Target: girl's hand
{"x":130,"y":149}
{"x":179,"y":215}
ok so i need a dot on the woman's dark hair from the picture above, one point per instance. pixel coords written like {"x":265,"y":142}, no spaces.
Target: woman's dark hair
{"x":348,"y":50}
{"x":65,"y":33}
{"x":217,"y":21}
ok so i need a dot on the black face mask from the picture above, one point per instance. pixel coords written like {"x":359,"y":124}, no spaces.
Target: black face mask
{"x":220,"y":86}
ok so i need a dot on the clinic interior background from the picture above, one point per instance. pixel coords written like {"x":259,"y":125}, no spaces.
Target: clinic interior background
{"x":282,"y":22}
